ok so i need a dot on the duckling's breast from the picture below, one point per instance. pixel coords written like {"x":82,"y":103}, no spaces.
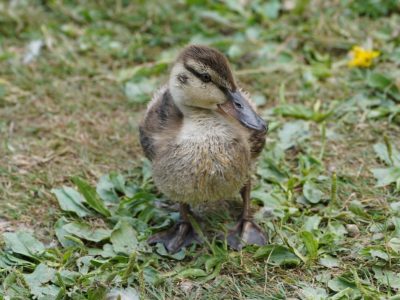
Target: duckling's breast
{"x":207,"y":161}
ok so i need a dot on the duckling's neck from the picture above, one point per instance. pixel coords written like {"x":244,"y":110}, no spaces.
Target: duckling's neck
{"x":202,"y":124}
{"x":196,"y":113}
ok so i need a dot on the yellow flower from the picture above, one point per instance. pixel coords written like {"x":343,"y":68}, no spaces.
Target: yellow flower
{"x":361,"y":57}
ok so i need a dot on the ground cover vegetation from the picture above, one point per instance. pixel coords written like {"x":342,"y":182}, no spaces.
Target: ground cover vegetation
{"x":77,"y":201}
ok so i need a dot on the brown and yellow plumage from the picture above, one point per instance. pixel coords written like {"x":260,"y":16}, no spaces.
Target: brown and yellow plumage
{"x":201,"y":133}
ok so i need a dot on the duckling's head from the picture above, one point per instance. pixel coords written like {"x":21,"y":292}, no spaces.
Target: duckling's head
{"x":201,"y":78}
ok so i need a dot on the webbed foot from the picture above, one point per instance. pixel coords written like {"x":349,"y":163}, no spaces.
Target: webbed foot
{"x":174,"y":239}
{"x":180,"y":235}
{"x":246,"y":232}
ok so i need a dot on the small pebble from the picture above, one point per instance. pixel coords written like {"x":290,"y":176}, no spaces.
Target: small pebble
{"x":267,"y":212}
{"x":122,"y":294}
{"x":377,"y":236}
{"x":186,"y":286}
{"x":352,"y":230}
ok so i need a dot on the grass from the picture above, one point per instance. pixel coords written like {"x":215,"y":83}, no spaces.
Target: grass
{"x":327,"y":184}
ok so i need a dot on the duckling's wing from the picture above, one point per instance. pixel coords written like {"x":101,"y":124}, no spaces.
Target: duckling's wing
{"x":257,"y":137}
{"x":162,"y":114}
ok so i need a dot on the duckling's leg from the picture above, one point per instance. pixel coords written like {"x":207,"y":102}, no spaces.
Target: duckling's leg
{"x":180,"y":235}
{"x":246,"y":232}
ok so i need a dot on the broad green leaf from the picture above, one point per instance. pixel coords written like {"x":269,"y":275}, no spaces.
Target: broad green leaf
{"x":298,"y":111}
{"x":212,"y":262}
{"x":70,"y":200}
{"x":329,"y":261}
{"x":69,"y":277}
{"x":301,"y":6}
{"x":235,"y":51}
{"x":277,"y":254}
{"x":394,"y":244}
{"x":387,"y":277}
{"x":387,"y":176}
{"x":87,"y":232}
{"x":381,"y":112}
{"x":105,"y":189}
{"x":11,"y":260}
{"x":84,"y":263}
{"x":192,"y":273}
{"x":312,"y":193}
{"x":136,"y":204}
{"x":311,"y":244}
{"x":108,"y":187}
{"x":340,"y":283}
{"x":313,"y":293}
{"x":118,"y":181}
{"x":259,"y":99}
{"x":215,"y":273}
{"x":3,"y":91}
{"x":139,"y":92}
{"x":379,"y":81}
{"x":357,"y":208}
{"x":345,"y":294}
{"x":3,"y":261}
{"x":373,"y":9}
{"x":338,"y":229}
{"x":216,"y":17}
{"x":152,"y":276}
{"x":180,"y":255}
{"x":271,"y":172}
{"x":61,"y":233}
{"x":381,"y":150}
{"x":13,"y":289}
{"x":236,"y":6}
{"x":312,"y":223}
{"x":39,"y":282}
{"x":138,"y":72}
{"x":146,"y":169}
{"x":107,"y":251}
{"x":377,"y":227}
{"x":272,"y":199}
{"x":390,"y":159}
{"x":395,"y":206}
{"x":384,"y":84}
{"x":379,"y":254}
{"x":293,"y":133}
{"x":121,"y":293}
{"x":100,"y":292}
{"x":270,"y":9}
{"x":91,"y":197}
{"x":24,"y":243}
{"x":123,"y":238}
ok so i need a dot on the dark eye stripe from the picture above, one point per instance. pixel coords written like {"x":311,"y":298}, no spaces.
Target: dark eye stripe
{"x":195,"y":73}
{"x":199,"y":75}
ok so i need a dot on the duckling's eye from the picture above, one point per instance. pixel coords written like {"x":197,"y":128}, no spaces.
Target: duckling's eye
{"x":205,"y":77}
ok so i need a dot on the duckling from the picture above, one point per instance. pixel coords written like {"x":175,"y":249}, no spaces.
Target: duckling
{"x":202,"y":134}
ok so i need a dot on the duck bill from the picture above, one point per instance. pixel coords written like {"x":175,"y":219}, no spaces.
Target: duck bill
{"x":237,"y":107}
